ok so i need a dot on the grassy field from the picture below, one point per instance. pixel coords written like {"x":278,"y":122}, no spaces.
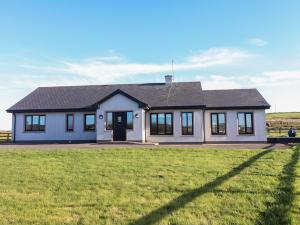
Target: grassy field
{"x":150,"y":186}
{"x":283,"y":115}
{"x":279,"y":123}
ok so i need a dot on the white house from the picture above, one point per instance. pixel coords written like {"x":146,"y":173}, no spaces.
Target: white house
{"x":153,"y":112}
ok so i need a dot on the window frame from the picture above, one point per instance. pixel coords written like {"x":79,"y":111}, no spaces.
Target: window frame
{"x":84,"y":124}
{"x":165,"y":124}
{"x":218,"y":124}
{"x":31,"y":129}
{"x":73,"y":120}
{"x":187,"y":122}
{"x":245,"y":121}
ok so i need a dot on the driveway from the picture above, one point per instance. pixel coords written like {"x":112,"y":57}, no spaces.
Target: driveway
{"x":105,"y":146}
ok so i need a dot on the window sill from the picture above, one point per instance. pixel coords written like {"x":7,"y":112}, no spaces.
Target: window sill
{"x":162,"y":135}
{"x":27,"y":131}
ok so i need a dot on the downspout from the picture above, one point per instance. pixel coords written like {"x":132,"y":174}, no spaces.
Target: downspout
{"x":145,"y":123}
{"x":145,"y":126}
{"x":203,"y":125}
{"x":14,"y":128}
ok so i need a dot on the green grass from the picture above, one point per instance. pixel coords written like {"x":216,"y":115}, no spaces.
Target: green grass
{"x":283,"y":115}
{"x":150,"y":186}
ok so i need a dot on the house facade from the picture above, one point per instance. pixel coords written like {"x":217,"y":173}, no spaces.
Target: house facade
{"x":169,"y":112}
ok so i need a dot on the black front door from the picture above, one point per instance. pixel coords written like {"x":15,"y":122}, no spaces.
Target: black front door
{"x":119,"y":126}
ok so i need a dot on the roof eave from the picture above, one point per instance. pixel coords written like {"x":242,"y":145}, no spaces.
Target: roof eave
{"x":238,"y":107}
{"x":89,"y":109}
{"x":178,"y":107}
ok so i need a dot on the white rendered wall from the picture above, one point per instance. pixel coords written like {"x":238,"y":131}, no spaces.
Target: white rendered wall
{"x":55,"y":128}
{"x":232,"y":134}
{"x":177,"y":135}
{"x":119,"y":103}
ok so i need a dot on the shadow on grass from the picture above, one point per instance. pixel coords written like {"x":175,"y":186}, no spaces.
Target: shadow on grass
{"x":278,"y":212}
{"x":179,"y":202}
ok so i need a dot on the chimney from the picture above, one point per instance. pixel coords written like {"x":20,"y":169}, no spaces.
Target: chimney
{"x":169,"y":79}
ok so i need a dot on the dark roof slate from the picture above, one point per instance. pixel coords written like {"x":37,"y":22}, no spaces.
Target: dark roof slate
{"x":85,"y":97}
{"x":234,"y":98}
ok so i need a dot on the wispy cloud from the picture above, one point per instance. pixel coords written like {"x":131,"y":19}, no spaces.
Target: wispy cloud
{"x":265,"y":79}
{"x":112,"y":68}
{"x":257,"y":42}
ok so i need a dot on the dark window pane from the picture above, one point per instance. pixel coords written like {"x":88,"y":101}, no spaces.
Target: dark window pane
{"x":70,"y":122}
{"x":109,"y":121}
{"x":35,"y":123}
{"x":90,"y":122}
{"x":28,"y":122}
{"x":249,"y":123}
{"x":187,"y":123}
{"x":241,"y":122}
{"x":169,"y":128}
{"x":153,"y":125}
{"x":214,"y":123}
{"x":161,"y":123}
{"x":190,"y":123}
{"x":184,"y":120}
{"x":129,"y":120}
{"x":42,"y":123}
{"x":222,"y":126}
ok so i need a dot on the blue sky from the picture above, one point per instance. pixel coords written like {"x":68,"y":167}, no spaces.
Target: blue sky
{"x":224,"y":44}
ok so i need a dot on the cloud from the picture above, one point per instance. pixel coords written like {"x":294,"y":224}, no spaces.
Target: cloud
{"x":257,"y":42}
{"x":280,"y":88}
{"x":113,"y":68}
{"x":265,"y":79}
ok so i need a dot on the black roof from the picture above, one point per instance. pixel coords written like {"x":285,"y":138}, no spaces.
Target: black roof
{"x":152,"y":95}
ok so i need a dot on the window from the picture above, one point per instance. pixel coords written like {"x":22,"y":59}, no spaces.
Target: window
{"x":161,"y":123}
{"x":218,"y":123}
{"x":70,"y":122}
{"x":109,"y":121}
{"x":35,"y":123}
{"x":187,"y":123}
{"x":245,"y":121}
{"x":129,"y":124}
{"x":89,"y":122}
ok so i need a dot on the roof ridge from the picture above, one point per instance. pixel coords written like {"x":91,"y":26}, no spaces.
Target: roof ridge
{"x":133,"y":84}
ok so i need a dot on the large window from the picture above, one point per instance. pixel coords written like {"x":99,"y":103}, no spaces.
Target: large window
{"x":70,"y":122}
{"x":35,"y":123}
{"x":218,"y":123}
{"x":109,"y":120}
{"x":187,"y":123}
{"x":245,"y":121}
{"x":89,"y":122}
{"x":161,"y":124}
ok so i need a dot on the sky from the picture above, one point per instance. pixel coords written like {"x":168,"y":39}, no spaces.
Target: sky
{"x":222,"y":43}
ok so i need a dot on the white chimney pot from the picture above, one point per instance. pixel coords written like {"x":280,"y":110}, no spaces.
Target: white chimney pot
{"x":169,"y":79}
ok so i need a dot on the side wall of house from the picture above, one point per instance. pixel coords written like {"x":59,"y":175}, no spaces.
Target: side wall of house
{"x":232,"y":134}
{"x":119,"y":103}
{"x":177,"y":136}
{"x":55,"y":129}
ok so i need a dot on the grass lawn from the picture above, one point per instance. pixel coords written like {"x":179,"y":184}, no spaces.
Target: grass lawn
{"x":150,"y":186}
